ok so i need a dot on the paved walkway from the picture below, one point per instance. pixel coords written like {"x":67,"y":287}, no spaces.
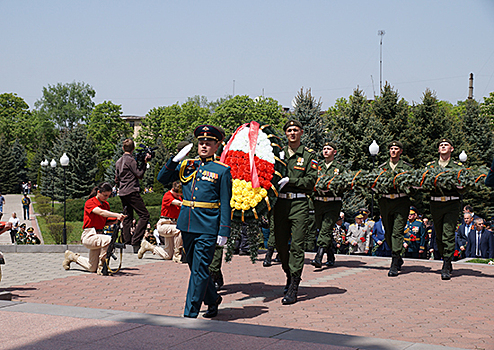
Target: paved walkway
{"x":13,"y":204}
{"x":352,"y":305}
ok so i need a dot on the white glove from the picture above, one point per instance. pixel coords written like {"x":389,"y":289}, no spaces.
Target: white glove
{"x":282,"y":155}
{"x":221,"y":241}
{"x":183,"y":152}
{"x":283,"y":182}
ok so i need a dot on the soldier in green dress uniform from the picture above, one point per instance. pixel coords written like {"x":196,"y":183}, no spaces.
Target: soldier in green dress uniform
{"x":394,"y":207}
{"x":414,"y":239}
{"x":291,"y":211}
{"x":445,"y":208}
{"x":328,"y":206}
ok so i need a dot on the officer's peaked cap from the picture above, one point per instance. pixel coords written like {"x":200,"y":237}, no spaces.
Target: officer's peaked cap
{"x":208,"y":133}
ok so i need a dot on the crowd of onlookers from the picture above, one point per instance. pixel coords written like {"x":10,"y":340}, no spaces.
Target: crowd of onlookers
{"x":474,"y":237}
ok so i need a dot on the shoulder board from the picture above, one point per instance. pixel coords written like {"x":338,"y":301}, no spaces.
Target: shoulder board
{"x":353,"y":225}
{"x":309,"y":150}
{"x":457,"y":163}
{"x":220,"y":163}
{"x":382,"y":165}
{"x":431,"y":163}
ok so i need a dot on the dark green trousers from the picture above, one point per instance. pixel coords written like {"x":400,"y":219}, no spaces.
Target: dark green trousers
{"x":327,"y":213}
{"x":271,"y":239}
{"x":445,"y":216}
{"x":394,"y":213}
{"x":217,"y":260}
{"x":291,"y":218}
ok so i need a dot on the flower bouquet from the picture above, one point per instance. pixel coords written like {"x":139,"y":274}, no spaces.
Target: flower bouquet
{"x":253,"y":154}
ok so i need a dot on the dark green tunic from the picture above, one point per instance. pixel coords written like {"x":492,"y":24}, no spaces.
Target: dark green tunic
{"x":394,"y":211}
{"x":291,"y":214}
{"x":328,"y":206}
{"x":445,"y":209}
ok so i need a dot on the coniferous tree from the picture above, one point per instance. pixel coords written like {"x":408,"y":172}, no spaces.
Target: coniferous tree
{"x":81,"y":171}
{"x":9,"y":181}
{"x":20,"y":161}
{"x":308,"y":112}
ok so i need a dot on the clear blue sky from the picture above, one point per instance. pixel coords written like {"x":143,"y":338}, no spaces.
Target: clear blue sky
{"x":145,"y":54}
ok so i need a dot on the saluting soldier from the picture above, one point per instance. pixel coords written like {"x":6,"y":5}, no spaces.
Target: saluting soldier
{"x":291,"y":211}
{"x":445,"y":208}
{"x":394,"y":207}
{"x":205,"y":215}
{"x":328,"y":206}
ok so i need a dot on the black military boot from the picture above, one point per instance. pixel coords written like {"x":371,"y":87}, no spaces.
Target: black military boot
{"x":445,"y":271}
{"x":288,"y":283}
{"x":217,"y":279}
{"x":331,"y":258}
{"x":400,"y":262}
{"x":317,"y":262}
{"x":393,"y":270}
{"x":291,"y":295}
{"x":267,"y":258}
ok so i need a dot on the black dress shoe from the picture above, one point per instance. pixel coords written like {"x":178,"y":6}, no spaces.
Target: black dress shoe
{"x":213,"y":309}
{"x":243,"y":252}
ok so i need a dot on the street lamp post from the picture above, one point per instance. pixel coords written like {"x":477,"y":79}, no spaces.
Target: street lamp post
{"x":64,"y":160}
{"x":44,"y":163}
{"x":463,"y":158}
{"x":53,"y":164}
{"x":373,"y":150}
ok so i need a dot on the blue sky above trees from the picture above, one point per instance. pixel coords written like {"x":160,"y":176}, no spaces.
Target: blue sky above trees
{"x":146,"y":54}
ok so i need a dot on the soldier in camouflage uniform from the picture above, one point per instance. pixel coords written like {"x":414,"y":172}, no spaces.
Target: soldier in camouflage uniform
{"x":445,"y":209}
{"x":291,"y":211}
{"x":328,"y":206}
{"x":394,"y":207}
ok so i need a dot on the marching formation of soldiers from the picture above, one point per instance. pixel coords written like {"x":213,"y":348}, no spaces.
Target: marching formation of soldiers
{"x":398,"y":223}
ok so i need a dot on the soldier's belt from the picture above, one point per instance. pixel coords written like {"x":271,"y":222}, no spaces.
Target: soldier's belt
{"x":394,"y":195}
{"x":290,"y":195}
{"x":194,"y":204}
{"x":327,"y":199}
{"x":444,"y":199}
{"x":168,"y":220}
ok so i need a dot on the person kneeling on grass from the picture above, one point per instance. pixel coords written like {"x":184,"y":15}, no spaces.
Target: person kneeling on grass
{"x":96,"y":212}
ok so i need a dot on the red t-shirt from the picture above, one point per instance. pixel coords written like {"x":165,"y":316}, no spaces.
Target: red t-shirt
{"x":167,"y":208}
{"x":91,"y":219}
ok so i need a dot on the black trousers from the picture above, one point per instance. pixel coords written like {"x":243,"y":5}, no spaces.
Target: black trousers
{"x":133,"y":202}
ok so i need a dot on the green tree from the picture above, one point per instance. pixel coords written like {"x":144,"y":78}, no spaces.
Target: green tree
{"x":393,"y":114}
{"x":487,"y":108}
{"x":16,"y":121}
{"x":20,"y":161}
{"x":242,"y":109}
{"x":110,"y":170}
{"x":81,"y":171}
{"x":66,"y":105}
{"x":308,"y":111}
{"x":9,"y":181}
{"x":104,"y":127}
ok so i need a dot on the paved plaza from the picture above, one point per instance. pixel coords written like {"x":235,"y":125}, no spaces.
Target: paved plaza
{"x":353,"y":304}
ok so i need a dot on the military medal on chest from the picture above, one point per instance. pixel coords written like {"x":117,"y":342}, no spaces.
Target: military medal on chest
{"x":300,"y":161}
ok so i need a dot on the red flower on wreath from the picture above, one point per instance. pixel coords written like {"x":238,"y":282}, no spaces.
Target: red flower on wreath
{"x":413,"y":238}
{"x":362,"y":239}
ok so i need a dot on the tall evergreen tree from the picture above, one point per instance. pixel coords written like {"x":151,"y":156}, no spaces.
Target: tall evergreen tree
{"x":393,"y":114}
{"x":81,"y":171}
{"x":308,"y":112}
{"x":110,"y":170}
{"x":9,"y":181}
{"x":20,"y":161}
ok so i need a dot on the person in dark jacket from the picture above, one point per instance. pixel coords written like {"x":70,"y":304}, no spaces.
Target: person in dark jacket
{"x":480,"y":242}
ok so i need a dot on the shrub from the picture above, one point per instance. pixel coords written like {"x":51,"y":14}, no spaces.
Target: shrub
{"x":55,"y":229}
{"x":44,"y":209}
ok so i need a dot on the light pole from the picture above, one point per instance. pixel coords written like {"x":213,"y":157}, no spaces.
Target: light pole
{"x":64,"y":160}
{"x":463,"y":158}
{"x":53,"y":164}
{"x":44,"y":164}
{"x":373,"y":150}
{"x":381,"y":34}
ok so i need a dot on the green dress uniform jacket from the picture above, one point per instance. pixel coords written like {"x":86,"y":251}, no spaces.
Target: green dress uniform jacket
{"x":445,"y":209}
{"x":327,"y":205}
{"x":291,"y":211}
{"x":394,"y":209}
